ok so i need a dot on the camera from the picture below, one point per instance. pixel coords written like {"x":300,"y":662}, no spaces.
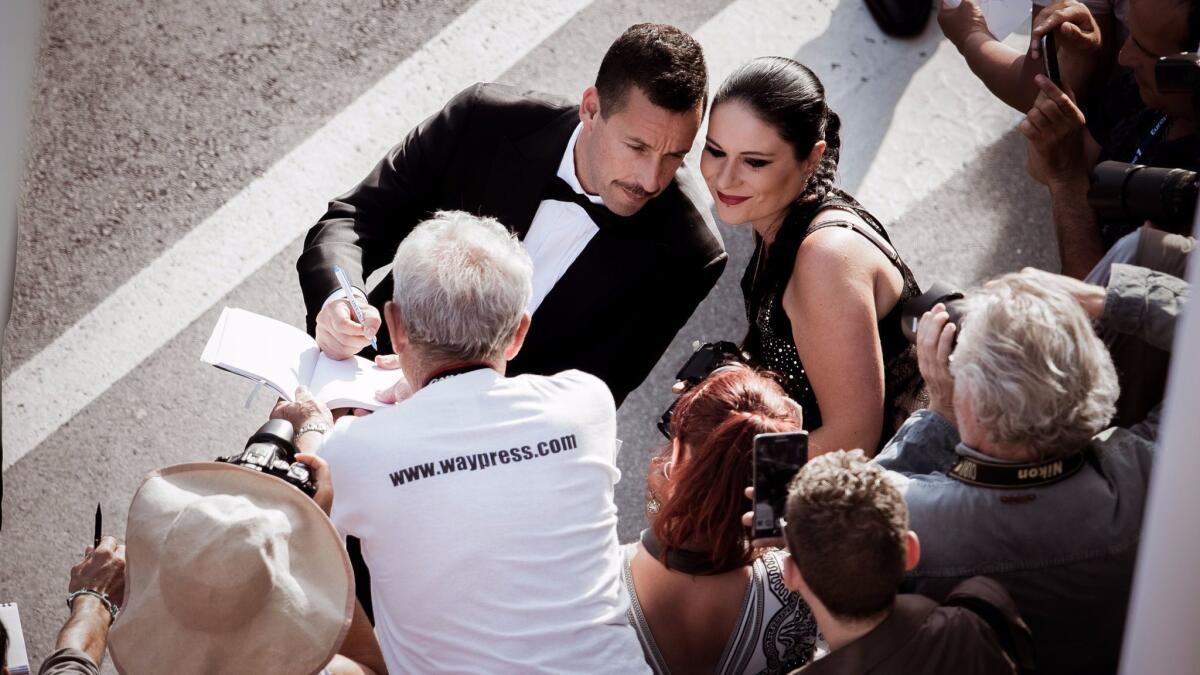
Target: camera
{"x":704,"y":361}
{"x":1179,"y":74}
{"x":1165,"y":197}
{"x":911,"y":314}
{"x":270,"y":451}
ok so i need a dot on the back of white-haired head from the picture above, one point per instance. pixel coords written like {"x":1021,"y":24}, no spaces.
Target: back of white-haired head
{"x":462,"y":283}
{"x":1031,"y":365}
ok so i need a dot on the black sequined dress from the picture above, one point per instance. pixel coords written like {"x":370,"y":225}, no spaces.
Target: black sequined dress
{"x":769,"y":340}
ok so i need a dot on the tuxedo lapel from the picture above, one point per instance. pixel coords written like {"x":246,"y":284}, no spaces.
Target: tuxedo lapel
{"x":522,"y":169}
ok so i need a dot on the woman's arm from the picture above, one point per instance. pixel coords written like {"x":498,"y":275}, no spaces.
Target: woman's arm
{"x":831,"y":301}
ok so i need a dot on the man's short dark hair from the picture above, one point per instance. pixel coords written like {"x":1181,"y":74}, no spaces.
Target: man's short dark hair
{"x":664,"y":62}
{"x":846,"y":527}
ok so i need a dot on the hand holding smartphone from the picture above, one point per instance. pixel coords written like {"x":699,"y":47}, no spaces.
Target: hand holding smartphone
{"x":1050,"y":59}
{"x":777,"y":458}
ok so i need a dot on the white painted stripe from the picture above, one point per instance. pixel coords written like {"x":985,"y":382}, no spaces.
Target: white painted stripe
{"x":217,"y":255}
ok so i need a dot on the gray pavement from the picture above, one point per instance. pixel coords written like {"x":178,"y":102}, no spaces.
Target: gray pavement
{"x":147,"y":120}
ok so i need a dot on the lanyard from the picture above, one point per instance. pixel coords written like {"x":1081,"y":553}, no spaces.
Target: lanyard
{"x":1154,"y":131}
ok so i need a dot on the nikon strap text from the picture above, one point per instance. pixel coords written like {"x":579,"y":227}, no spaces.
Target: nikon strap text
{"x":1005,"y":475}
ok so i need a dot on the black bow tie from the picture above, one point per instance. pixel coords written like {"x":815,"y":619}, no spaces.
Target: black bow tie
{"x":560,"y":191}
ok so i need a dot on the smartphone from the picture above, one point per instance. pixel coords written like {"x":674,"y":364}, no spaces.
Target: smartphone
{"x":1050,"y":59}
{"x":777,"y":458}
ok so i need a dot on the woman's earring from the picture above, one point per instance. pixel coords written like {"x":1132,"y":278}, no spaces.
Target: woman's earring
{"x":667,"y":469}
{"x":652,"y":506}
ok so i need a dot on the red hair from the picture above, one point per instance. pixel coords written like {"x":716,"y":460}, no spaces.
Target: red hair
{"x":716,"y":422}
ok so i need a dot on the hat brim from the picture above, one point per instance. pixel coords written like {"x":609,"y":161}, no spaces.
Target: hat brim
{"x":298,"y":630}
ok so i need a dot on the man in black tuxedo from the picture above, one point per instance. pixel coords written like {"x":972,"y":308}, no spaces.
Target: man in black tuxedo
{"x":596,"y":192}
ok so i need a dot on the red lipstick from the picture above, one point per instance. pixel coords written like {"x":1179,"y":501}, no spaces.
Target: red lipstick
{"x":730,"y":200}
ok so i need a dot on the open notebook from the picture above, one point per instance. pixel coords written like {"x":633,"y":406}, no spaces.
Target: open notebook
{"x":285,"y":357}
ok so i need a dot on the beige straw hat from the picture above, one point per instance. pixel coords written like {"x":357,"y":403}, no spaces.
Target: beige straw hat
{"x":229,"y":571}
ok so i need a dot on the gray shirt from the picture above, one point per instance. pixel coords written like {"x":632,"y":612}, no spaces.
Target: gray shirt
{"x":1064,"y":551}
{"x":69,"y":661}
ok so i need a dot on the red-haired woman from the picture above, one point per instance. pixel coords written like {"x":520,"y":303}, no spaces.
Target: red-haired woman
{"x":703,"y":600}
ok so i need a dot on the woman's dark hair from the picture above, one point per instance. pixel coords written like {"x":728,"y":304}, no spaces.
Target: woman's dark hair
{"x":716,"y":422}
{"x":789,"y":97}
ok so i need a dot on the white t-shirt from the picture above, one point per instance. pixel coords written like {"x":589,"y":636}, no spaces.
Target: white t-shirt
{"x":485,"y":509}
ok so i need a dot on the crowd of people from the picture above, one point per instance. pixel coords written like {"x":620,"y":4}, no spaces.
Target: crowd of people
{"x":972,"y":499}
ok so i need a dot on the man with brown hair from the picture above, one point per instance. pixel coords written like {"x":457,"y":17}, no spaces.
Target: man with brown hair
{"x":847,"y":532}
{"x":623,"y":246}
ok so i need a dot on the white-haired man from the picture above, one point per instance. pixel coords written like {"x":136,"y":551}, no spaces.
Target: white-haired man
{"x":1012,"y":473}
{"x":484,"y":503}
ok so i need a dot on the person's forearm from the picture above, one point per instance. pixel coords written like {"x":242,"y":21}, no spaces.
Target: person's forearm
{"x":830,"y":437}
{"x":1007,"y":73}
{"x":924,"y":444}
{"x":1144,"y":303}
{"x":86,"y":629}
{"x":1080,"y":246}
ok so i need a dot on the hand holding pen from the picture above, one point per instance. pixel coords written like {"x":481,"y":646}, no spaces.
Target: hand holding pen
{"x":345,"y":328}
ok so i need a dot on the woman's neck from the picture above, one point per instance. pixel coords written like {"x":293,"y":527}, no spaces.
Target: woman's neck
{"x":767,"y":228}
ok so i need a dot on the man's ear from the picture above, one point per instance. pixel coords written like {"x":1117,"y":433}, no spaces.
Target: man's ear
{"x":912,"y":551}
{"x":589,"y":107}
{"x":792,"y":578}
{"x":518,"y":340}
{"x":395,"y":324}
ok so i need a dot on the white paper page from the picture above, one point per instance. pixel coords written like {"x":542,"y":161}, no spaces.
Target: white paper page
{"x":1006,"y":16}
{"x":262,"y":348}
{"x":1002,"y":16}
{"x":351,"y":383}
{"x":17,"y":657}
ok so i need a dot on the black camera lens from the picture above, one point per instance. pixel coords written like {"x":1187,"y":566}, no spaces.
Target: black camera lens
{"x":1165,"y":197}
{"x":915,"y":308}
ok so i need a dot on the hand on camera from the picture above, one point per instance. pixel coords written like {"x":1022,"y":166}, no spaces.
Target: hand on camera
{"x":1055,"y":129}
{"x":102,"y":570}
{"x":339,"y":334}
{"x":321,"y":477}
{"x":935,"y":341}
{"x":1075,"y":29}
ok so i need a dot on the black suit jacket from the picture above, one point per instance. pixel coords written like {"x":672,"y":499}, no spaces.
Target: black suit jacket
{"x":492,"y":151}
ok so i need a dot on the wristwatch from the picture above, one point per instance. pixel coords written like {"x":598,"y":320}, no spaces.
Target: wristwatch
{"x":319,"y":426}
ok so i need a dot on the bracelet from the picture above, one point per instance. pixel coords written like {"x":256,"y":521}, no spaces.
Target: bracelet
{"x":318,"y":426}
{"x":113,"y":609}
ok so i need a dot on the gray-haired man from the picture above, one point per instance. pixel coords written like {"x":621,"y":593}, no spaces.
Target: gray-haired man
{"x":484,"y":503}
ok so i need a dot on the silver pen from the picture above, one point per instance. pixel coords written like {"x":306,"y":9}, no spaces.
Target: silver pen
{"x":354,"y":307}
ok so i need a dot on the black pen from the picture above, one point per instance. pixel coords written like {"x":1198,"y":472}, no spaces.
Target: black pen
{"x":98,"y":517}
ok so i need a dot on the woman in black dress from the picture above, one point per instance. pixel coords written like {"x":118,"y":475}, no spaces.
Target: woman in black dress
{"x":824,"y":288}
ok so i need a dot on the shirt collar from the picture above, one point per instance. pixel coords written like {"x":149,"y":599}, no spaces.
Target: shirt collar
{"x":566,"y":168}
{"x":965,"y":450}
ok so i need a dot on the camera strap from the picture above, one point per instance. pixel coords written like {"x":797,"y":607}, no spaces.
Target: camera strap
{"x":1006,"y":475}
{"x":1154,"y":131}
